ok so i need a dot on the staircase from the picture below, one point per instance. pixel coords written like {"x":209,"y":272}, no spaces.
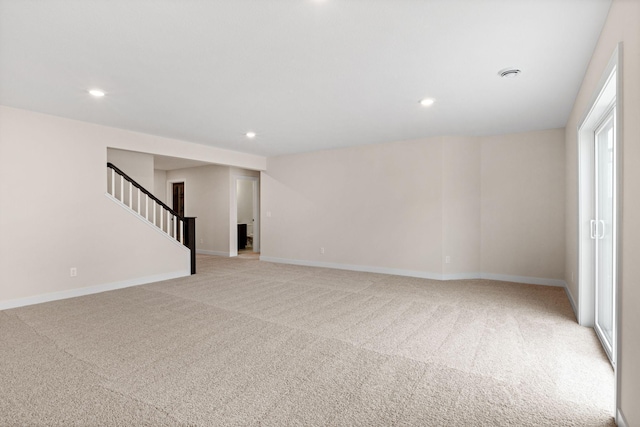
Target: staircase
{"x":140,"y":201}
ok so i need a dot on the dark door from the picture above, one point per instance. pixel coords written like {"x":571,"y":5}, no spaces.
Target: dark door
{"x":178,"y":198}
{"x":178,"y":202}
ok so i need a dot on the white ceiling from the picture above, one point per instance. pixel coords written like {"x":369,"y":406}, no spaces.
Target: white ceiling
{"x":303,"y":74}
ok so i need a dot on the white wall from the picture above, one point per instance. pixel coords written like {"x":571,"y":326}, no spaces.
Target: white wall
{"x":494,"y":205}
{"x":207,"y":197}
{"x":54,"y":214}
{"x":621,"y":26}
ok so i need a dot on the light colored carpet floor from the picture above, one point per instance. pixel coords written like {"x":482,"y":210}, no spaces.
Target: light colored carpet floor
{"x":246,"y":342}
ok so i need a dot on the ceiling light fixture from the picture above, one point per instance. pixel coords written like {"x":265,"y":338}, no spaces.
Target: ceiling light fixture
{"x":250,"y":135}
{"x":509,"y":73}
{"x":427,"y":102}
{"x":97,"y":93}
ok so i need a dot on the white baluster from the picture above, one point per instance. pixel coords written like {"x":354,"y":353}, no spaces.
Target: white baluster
{"x":161,"y":219}
{"x":146,"y":207}
{"x":130,"y":195}
{"x":121,"y":188}
{"x":154,"y":212}
{"x":175,"y":230}
{"x":139,"y":202}
{"x":181,"y":226}
{"x":113,"y":182}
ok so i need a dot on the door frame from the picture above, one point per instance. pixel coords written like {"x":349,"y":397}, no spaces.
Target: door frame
{"x":607,"y":96}
{"x":233,"y":217}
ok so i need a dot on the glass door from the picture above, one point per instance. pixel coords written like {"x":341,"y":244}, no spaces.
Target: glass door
{"x":603,"y":232}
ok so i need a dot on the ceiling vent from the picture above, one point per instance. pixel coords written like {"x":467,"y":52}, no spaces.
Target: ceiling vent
{"x":509,"y":73}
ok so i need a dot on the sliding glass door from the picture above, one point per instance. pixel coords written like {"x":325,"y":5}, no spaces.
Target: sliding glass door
{"x":603,"y":232}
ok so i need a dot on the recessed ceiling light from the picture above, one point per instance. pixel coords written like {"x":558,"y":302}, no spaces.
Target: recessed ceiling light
{"x":509,"y":73}
{"x":97,"y":93}
{"x":250,"y":135}
{"x":427,"y":102}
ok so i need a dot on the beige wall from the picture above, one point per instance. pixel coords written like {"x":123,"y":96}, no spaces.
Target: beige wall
{"x":461,"y":206}
{"x":244,"y":172}
{"x":370,"y":206}
{"x":60,"y":164}
{"x":494,"y":205}
{"x":138,"y":166}
{"x":206,"y":196}
{"x":522,"y":212}
{"x":160,"y":185}
{"x":621,"y":26}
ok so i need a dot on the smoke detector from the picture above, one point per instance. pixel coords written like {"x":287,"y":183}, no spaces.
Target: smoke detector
{"x":509,"y":73}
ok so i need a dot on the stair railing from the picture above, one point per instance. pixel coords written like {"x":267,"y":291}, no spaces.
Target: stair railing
{"x":140,"y":200}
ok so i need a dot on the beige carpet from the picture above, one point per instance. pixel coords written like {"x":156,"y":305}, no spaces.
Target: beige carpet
{"x":246,"y":342}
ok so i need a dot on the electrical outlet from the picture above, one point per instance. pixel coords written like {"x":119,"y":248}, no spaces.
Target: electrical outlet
{"x":268,"y":214}
{"x":322,"y":251}
{"x":73,"y":272}
{"x":447,"y":259}
{"x":201,"y":240}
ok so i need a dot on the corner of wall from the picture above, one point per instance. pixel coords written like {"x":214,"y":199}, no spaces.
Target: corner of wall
{"x":620,"y":419}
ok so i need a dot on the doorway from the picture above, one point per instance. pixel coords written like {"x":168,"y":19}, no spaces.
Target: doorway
{"x":246,"y":214}
{"x":178,"y":197}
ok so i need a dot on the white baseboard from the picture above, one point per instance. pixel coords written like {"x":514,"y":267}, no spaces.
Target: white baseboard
{"x":620,"y":419}
{"x":420,"y":274}
{"x":461,"y":276}
{"x":78,"y":292}
{"x":571,"y":301}
{"x":524,"y":279}
{"x":368,"y":269}
{"x":218,"y":253}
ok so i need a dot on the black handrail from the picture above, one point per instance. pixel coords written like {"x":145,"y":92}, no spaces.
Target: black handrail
{"x":189,"y":223}
{"x":144,"y":190}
